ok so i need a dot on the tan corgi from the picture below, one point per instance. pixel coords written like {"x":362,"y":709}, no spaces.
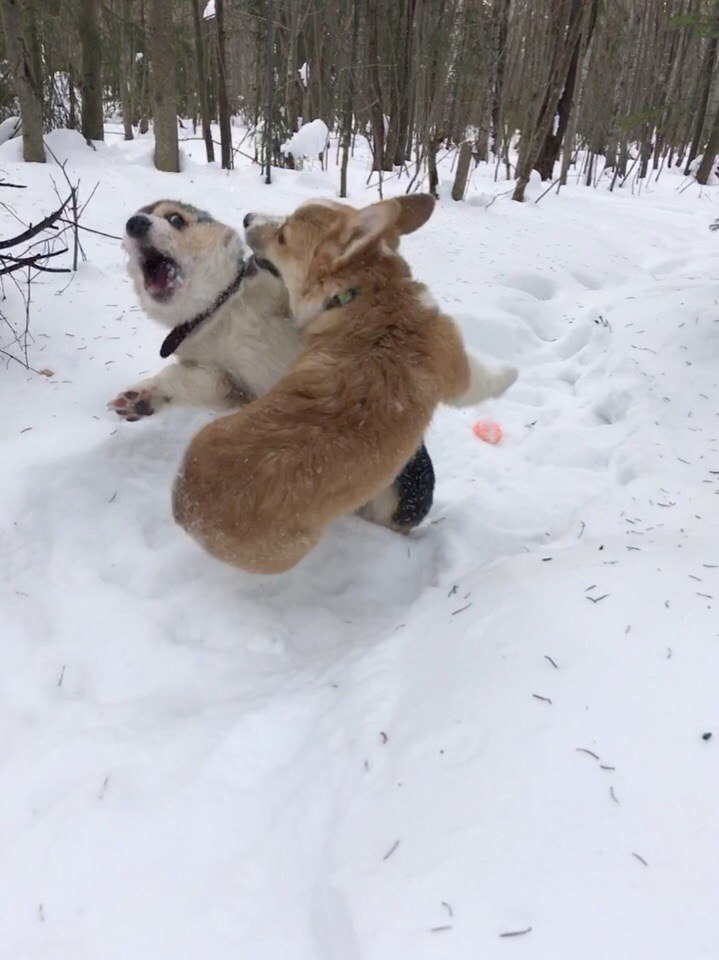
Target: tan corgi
{"x":258,"y":488}
{"x":231,"y":333}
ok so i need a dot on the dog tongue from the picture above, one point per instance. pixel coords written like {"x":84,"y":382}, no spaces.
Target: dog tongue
{"x":159,"y":277}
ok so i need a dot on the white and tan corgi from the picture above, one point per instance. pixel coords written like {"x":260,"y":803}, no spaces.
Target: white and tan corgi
{"x":186,"y":265}
{"x":257,"y":488}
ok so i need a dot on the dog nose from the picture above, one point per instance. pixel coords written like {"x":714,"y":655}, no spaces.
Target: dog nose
{"x":138,"y":226}
{"x":249,"y":217}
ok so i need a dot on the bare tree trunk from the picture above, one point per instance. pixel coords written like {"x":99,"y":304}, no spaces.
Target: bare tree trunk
{"x":209,"y":45}
{"x":349,"y":104}
{"x":126,"y":110}
{"x":501,"y":15}
{"x":72,"y":106}
{"x":202,"y":82}
{"x":412,"y":111}
{"x":710,"y":154}
{"x":549,"y":151}
{"x":31,"y":21}
{"x":397,"y":131}
{"x":381,"y":160}
{"x":126,"y":69}
{"x":318,"y":77}
{"x":392,"y":68}
{"x":532,"y":139}
{"x":144,"y":118}
{"x":462,"y":174}
{"x":294,"y":87}
{"x":705,"y":83}
{"x":433,"y":144}
{"x":164,"y":108}
{"x":617,"y":146}
{"x":140,"y":110}
{"x":26,"y":84}
{"x":269,"y":89}
{"x":222,"y":99}
{"x":402,"y":152}
{"x":645,"y":151}
{"x":91,"y":45}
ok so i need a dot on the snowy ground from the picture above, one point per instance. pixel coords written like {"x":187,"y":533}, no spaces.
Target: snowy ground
{"x":403,"y":748}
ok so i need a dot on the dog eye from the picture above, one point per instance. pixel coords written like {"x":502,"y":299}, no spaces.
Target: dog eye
{"x":176,"y":221}
{"x":281,"y":237}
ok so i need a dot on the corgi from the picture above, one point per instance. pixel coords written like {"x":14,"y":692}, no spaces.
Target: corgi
{"x":186,"y":265}
{"x":258,"y":488}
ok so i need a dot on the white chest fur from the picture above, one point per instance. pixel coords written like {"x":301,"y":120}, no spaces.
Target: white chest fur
{"x":252,"y":338}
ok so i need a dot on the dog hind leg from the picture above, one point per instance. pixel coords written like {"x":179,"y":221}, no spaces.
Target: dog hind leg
{"x":407,"y":501}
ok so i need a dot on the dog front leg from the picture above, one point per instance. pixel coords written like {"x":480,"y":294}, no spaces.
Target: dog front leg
{"x":181,"y":384}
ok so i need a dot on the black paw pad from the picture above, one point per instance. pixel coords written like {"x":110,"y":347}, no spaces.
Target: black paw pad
{"x":143,"y":408}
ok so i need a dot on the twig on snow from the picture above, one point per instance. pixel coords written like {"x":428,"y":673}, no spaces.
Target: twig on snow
{"x":391,"y":850}
{"x":462,"y":608}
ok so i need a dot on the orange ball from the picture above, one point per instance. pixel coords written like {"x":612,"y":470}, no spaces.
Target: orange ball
{"x":487,"y":430}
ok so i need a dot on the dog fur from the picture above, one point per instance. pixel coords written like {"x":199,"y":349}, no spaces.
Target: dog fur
{"x":239,"y":353}
{"x":244,"y":349}
{"x":257,"y":488}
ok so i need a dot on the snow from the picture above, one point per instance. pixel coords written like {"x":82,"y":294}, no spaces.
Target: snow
{"x":404,"y":747}
{"x":9,"y":128}
{"x":304,"y":73}
{"x":309,"y":141}
{"x":209,"y":11}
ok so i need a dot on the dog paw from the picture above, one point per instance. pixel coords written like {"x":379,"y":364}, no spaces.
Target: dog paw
{"x":135,"y":404}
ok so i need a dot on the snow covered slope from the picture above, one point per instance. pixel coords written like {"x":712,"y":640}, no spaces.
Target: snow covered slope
{"x":404,"y":749}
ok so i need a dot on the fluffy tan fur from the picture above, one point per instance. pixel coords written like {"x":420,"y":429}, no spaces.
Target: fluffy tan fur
{"x":257,"y":488}
{"x":241,"y":352}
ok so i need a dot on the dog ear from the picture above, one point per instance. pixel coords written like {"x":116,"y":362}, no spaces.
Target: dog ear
{"x":367,"y":227}
{"x":415,"y":211}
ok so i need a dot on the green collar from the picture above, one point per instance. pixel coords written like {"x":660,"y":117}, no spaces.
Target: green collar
{"x":343,"y":298}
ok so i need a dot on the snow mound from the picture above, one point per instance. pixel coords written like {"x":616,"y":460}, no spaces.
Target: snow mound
{"x":9,"y":129}
{"x":309,"y":141}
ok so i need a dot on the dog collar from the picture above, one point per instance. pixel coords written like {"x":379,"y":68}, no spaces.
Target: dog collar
{"x":183,"y":330}
{"x":342,"y":299}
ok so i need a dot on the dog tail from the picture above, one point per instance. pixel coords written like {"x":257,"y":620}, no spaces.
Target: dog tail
{"x":484,"y":383}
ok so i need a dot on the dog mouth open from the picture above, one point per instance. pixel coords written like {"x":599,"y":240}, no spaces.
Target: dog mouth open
{"x":162,"y":274}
